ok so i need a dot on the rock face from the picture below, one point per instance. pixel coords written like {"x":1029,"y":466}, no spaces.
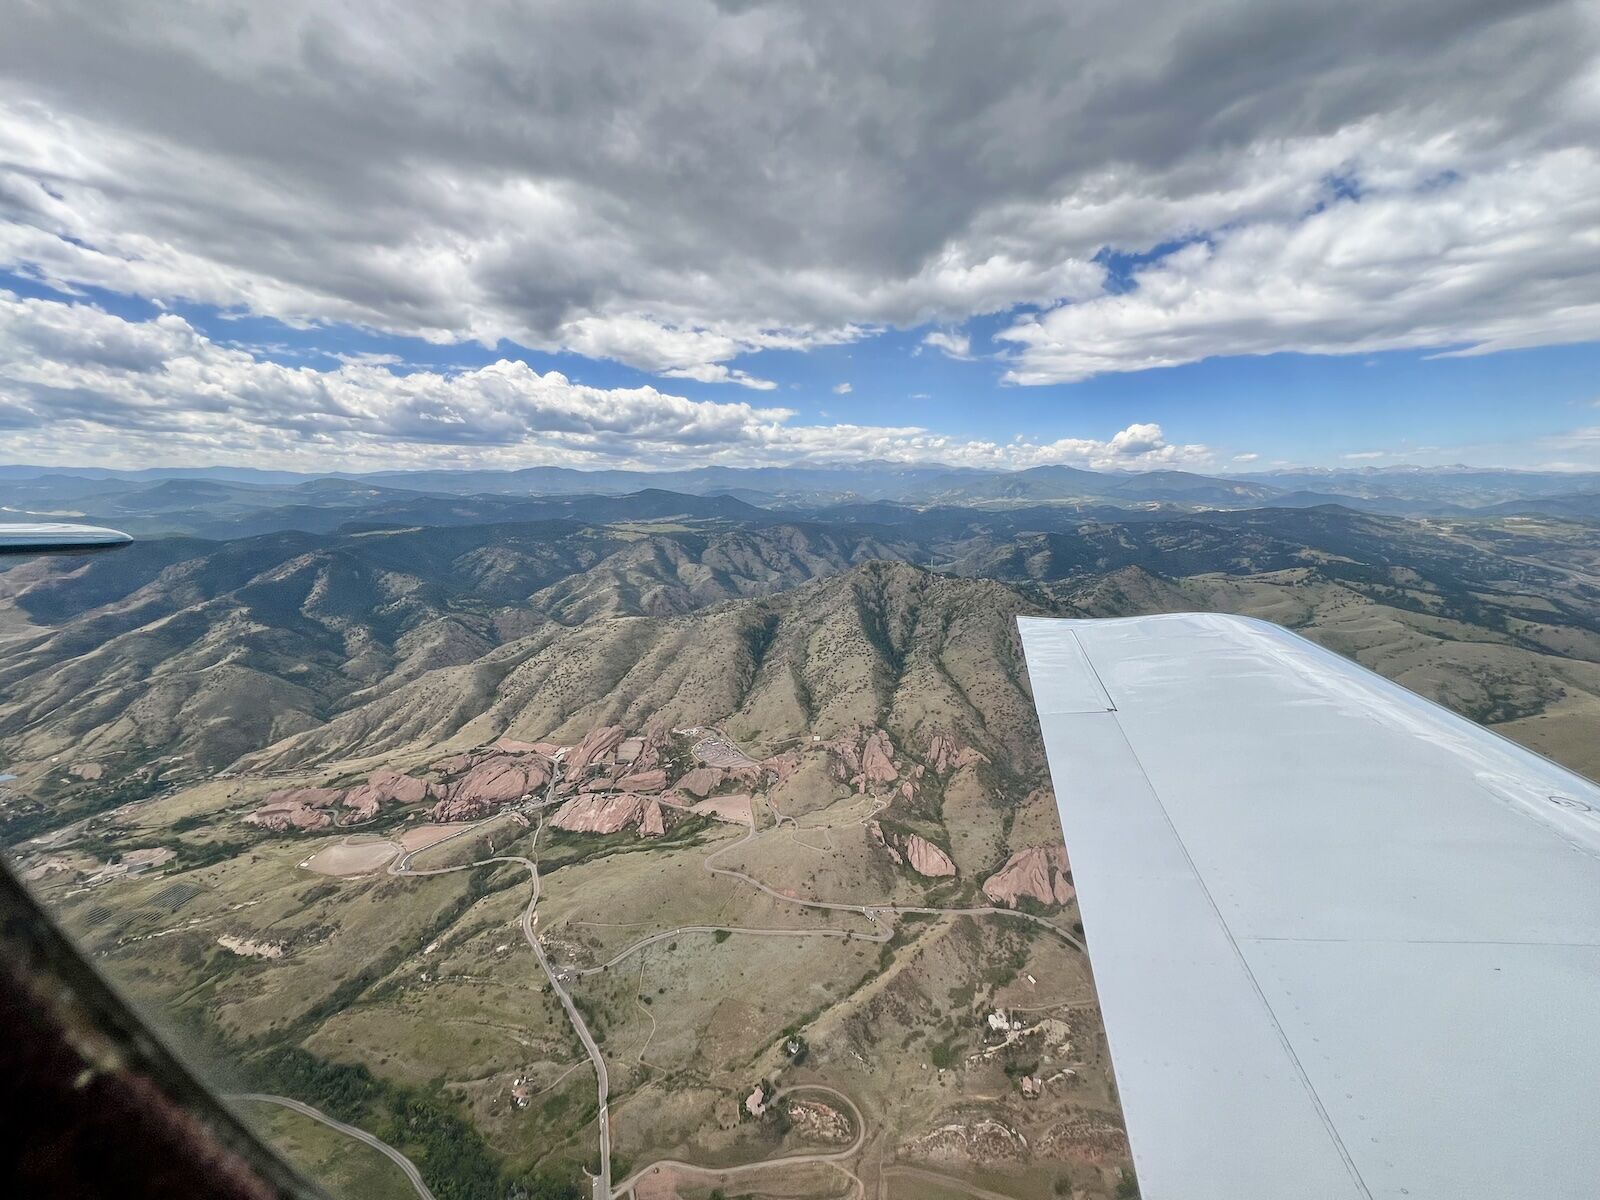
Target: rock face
{"x":877,"y":759}
{"x":282,"y":815}
{"x":701,"y":781}
{"x":946,"y":754}
{"x":489,"y":783}
{"x":592,"y":813}
{"x":913,"y":850}
{"x":1039,"y":872}
{"x":652,"y":780}
{"x":927,"y":859}
{"x":296,"y":808}
{"x":863,"y":757}
{"x":652,"y":823}
{"x":598,"y":745}
{"x":383,"y":787}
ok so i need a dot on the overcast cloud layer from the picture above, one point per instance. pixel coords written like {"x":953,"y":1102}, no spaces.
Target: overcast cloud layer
{"x":674,"y":185}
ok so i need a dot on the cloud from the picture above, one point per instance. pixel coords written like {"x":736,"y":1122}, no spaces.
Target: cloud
{"x":718,"y":373}
{"x":841,"y":389}
{"x":1506,"y":259}
{"x":78,"y":383}
{"x":673,"y":186}
{"x":950,"y":343}
{"x":1366,"y":455}
{"x":1245,"y":458}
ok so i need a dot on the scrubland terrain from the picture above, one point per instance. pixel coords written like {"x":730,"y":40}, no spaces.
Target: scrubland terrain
{"x":413,"y":823}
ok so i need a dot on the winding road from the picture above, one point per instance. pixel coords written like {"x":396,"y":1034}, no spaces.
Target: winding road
{"x":402,"y":866}
{"x":830,"y":1157}
{"x":360,"y":1135}
{"x":602,"y":1187}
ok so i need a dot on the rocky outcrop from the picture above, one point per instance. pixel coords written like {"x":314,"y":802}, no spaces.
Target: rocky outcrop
{"x":927,"y":859}
{"x":598,"y":745}
{"x":652,"y":780}
{"x":863,"y":757}
{"x":363,"y":802}
{"x":652,"y":822}
{"x":593,"y":813}
{"x":946,"y":755}
{"x":877,"y":759}
{"x":283,"y":815}
{"x":983,"y":1140}
{"x":489,"y":783}
{"x":914,"y":851}
{"x":701,"y":781}
{"x":1040,"y":872}
{"x":296,"y":808}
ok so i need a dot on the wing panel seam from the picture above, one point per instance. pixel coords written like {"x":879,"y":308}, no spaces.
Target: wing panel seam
{"x":1272,"y":1017}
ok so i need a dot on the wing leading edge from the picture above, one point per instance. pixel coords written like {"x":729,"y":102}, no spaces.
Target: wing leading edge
{"x":1347,"y":944}
{"x":53,"y":538}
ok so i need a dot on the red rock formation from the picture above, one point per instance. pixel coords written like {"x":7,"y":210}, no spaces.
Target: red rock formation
{"x":289,"y":814}
{"x":449,"y":766}
{"x":946,"y":754}
{"x":605,"y":814}
{"x":1040,"y":872}
{"x":652,"y":780}
{"x":927,"y":859}
{"x":383,"y":787}
{"x":598,"y":745}
{"x":912,"y":850}
{"x":701,"y":781}
{"x":876,"y":832}
{"x":651,"y":821}
{"x":493,"y":781}
{"x":459,"y":810}
{"x":877,"y":760}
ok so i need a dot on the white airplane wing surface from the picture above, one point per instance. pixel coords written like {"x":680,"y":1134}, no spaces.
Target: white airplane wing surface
{"x":1347,"y":944}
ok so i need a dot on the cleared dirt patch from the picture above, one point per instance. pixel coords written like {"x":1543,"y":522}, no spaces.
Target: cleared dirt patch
{"x":423,"y":836}
{"x":351,"y":858}
{"x":725,"y":808}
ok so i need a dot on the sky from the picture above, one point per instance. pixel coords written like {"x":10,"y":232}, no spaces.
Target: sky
{"x":1222,"y":235}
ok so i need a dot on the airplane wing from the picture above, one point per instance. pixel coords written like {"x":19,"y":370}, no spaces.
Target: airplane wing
{"x":1347,"y":943}
{"x":54,"y":538}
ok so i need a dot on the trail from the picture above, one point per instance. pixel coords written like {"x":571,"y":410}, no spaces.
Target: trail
{"x":360,"y":1135}
{"x":834,"y":1158}
{"x":870,"y":911}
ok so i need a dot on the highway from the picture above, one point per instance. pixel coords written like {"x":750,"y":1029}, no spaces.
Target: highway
{"x":360,"y":1135}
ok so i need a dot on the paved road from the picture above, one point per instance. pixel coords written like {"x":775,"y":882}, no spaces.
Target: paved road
{"x":360,"y":1135}
{"x":402,"y":866}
